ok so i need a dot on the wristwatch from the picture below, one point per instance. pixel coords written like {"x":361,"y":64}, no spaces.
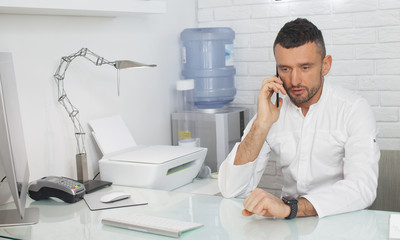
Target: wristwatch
{"x":293,"y":207}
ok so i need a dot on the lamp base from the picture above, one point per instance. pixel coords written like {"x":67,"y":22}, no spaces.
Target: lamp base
{"x":93,"y":185}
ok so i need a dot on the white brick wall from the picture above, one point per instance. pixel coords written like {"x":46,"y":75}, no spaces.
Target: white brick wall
{"x":363,"y":37}
{"x":389,"y":34}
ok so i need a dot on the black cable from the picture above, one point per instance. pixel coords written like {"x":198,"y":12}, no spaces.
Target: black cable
{"x":3,"y":178}
{"x":96,"y":175}
{"x":5,"y":237}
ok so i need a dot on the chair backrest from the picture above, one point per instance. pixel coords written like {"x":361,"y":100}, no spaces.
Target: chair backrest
{"x":388,"y":194}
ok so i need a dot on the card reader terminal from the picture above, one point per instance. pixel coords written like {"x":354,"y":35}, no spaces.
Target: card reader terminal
{"x":63,"y":188}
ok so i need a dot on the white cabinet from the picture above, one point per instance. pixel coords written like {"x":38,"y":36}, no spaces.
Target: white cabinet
{"x":111,"y":8}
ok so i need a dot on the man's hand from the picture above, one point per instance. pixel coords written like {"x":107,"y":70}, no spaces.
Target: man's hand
{"x":267,"y":112}
{"x":265,"y":204}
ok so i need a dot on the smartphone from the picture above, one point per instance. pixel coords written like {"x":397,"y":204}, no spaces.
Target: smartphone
{"x":277,"y":94}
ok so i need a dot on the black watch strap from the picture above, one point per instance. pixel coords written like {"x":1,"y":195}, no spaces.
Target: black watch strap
{"x":293,"y":207}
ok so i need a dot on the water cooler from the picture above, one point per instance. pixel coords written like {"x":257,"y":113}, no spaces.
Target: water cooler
{"x":207,"y":63}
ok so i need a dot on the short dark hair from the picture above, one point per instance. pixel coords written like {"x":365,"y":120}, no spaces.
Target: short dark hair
{"x":299,"y":32}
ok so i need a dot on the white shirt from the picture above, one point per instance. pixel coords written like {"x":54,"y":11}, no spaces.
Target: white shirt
{"x":330,"y":156}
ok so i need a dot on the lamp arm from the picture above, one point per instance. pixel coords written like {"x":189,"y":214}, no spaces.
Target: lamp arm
{"x":63,"y":99}
{"x":73,"y":112}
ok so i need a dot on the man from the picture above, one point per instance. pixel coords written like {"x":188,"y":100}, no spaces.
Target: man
{"x":323,"y":137}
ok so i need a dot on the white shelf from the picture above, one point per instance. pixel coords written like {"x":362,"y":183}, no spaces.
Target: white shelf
{"x":111,"y":8}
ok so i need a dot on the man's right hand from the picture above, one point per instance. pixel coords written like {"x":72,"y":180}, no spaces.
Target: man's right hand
{"x":267,"y":112}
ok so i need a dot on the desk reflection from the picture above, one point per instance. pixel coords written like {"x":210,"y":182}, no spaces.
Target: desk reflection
{"x":354,"y":225}
{"x":222,"y":219}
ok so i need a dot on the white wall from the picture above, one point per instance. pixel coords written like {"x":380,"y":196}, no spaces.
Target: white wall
{"x":363,"y":37}
{"x":147,"y":95}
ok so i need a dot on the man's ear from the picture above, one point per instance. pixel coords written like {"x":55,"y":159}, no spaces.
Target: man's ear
{"x":326,"y":65}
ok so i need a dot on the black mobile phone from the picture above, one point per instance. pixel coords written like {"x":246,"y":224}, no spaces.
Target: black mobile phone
{"x":277,"y":94}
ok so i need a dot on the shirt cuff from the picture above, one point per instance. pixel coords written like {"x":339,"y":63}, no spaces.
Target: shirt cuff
{"x":234,"y":180}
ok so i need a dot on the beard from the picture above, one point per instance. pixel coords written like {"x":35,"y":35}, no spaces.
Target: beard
{"x":310,"y":93}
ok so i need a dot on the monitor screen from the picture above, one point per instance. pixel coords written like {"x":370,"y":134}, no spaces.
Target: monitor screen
{"x":13,"y":154}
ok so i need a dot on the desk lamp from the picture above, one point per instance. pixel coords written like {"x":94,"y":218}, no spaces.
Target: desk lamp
{"x":73,"y":112}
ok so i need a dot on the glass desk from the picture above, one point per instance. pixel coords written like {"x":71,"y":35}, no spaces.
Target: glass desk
{"x":221,"y":217}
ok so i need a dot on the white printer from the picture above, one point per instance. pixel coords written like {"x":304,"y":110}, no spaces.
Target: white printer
{"x":157,"y":167}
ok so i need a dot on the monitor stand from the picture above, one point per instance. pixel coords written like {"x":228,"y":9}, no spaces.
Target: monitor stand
{"x":11,"y":217}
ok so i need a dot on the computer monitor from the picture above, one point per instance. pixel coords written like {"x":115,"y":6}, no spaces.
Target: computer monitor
{"x":13,"y":155}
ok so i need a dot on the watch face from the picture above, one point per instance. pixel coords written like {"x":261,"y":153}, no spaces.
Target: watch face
{"x":288,"y":200}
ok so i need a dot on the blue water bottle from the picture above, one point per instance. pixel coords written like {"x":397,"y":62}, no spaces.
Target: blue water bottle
{"x":207,"y":57}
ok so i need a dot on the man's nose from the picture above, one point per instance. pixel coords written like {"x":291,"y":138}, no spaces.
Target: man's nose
{"x":295,"y":78}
